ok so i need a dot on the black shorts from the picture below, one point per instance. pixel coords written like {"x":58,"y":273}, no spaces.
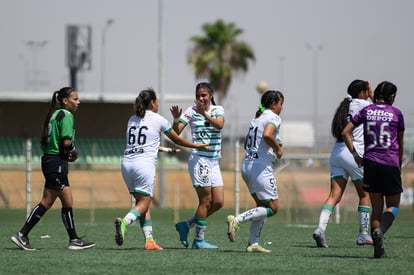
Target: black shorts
{"x":380,"y":178}
{"x":55,"y":171}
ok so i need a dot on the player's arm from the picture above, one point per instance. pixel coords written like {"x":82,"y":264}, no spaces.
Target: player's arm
{"x":69,"y":150}
{"x":176,"y":113}
{"x":401,"y":145}
{"x":217,"y":122}
{"x":347,"y":138}
{"x":169,"y":150}
{"x":269,"y":137}
{"x":174,"y":137}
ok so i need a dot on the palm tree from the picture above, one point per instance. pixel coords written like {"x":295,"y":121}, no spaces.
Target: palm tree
{"x":218,"y":53}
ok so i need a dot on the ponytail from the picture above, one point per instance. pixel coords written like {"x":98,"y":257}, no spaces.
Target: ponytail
{"x":57,"y":97}
{"x":267,"y":99}
{"x":341,"y":118}
{"x":143,"y":100}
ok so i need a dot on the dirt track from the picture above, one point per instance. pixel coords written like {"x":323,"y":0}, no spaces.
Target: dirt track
{"x":106,"y":189}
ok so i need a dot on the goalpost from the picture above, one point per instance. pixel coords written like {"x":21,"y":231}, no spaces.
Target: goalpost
{"x":28,"y":176}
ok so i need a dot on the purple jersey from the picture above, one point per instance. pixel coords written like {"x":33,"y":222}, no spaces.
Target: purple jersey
{"x":382,"y":122}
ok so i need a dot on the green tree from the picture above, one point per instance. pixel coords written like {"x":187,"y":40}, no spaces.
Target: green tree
{"x":218,"y":53}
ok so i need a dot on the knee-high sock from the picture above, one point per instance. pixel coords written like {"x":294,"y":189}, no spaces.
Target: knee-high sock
{"x":326,"y":213}
{"x":34,"y":217}
{"x":255,"y":231}
{"x":67,"y":218}
{"x":254,"y":214}
{"x":386,"y":221}
{"x":191,"y":221}
{"x":363,"y":214}
{"x":200,"y":228}
{"x":132,"y":216}
{"x":146,"y":227}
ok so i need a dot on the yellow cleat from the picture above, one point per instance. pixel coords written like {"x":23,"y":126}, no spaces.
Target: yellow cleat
{"x":257,"y":249}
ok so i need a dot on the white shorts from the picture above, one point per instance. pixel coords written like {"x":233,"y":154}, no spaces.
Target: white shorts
{"x":204,"y":172}
{"x":139,"y":176}
{"x":260,"y":179}
{"x":342,"y":163}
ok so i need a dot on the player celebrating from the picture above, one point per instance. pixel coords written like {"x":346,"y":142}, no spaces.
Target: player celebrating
{"x":384,"y":148}
{"x":139,"y":163}
{"x":343,"y":165}
{"x":206,"y":120}
{"x":262,"y":146}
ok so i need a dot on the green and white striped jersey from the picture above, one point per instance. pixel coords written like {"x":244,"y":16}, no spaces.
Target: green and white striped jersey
{"x":203,"y":132}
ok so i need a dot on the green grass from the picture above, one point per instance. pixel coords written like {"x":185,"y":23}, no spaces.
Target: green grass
{"x":293,"y":249}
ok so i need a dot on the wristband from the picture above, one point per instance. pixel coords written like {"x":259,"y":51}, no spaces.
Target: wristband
{"x":164,"y":149}
{"x":176,"y":120}
{"x":355,"y":154}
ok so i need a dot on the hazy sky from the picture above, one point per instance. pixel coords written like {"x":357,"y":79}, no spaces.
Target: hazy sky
{"x":346,"y":39}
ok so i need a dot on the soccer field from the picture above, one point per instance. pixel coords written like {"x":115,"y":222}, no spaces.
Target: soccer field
{"x":293,"y":249}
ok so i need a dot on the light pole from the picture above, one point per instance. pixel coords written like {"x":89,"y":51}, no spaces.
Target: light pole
{"x":35,"y":46}
{"x":315,"y":51}
{"x":161,"y":95}
{"x":25,"y":63}
{"x":109,"y":22}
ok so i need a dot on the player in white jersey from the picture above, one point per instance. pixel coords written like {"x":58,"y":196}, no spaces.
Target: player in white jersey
{"x":343,"y":165}
{"x":206,"y":120}
{"x":139,"y":163}
{"x":262,"y":146}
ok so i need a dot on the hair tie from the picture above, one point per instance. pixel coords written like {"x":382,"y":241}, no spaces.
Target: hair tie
{"x":261,"y":108}
{"x":349,"y":98}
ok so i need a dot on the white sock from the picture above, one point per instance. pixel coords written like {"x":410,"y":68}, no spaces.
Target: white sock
{"x":130,"y":218}
{"x":147,"y":231}
{"x":191,"y":222}
{"x":363,"y":214}
{"x":200,"y":230}
{"x":324,"y":219}
{"x":254,"y":214}
{"x":255,"y":231}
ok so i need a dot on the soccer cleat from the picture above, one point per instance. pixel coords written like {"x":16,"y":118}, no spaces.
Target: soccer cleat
{"x":202,"y":244}
{"x":364,"y":239}
{"x":232,"y":227}
{"x":319,"y":237}
{"x":79,"y":244}
{"x":257,"y":249}
{"x":378,"y":238}
{"x":120,"y":228}
{"x":22,"y":242}
{"x":150,"y":244}
{"x":182,"y":228}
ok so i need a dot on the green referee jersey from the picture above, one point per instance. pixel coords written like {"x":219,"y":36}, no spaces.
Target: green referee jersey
{"x":60,"y":127}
